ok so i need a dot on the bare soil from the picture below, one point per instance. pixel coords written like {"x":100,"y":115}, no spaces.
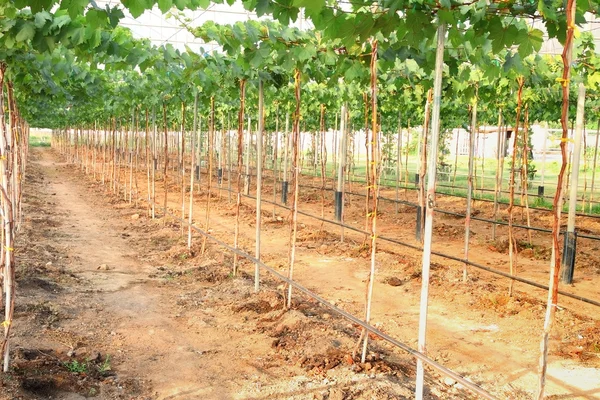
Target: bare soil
{"x":113,"y":305}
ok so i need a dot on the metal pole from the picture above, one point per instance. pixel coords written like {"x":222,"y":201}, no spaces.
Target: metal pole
{"x":398,"y":158}
{"x":192,"y":174}
{"x":544,"y":149}
{"x":594,"y":167}
{"x":284,"y":182}
{"x":247,"y":157}
{"x":568,"y":257}
{"x":499,"y":155}
{"x":339,"y":198}
{"x":430,"y":203}
{"x":259,"y":165}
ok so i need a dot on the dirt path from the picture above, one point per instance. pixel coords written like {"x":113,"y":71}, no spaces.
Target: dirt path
{"x":120,"y":306}
{"x":105,"y":310}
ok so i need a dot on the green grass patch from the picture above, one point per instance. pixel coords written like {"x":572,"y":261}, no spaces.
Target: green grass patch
{"x":39,"y":138}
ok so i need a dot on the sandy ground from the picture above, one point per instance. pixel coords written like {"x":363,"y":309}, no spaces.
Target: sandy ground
{"x":112,"y":304}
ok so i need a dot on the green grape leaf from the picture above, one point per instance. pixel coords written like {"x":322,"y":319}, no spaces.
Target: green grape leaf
{"x":312,"y":5}
{"x":27,"y":32}
{"x":262,"y":7}
{"x":305,"y":53}
{"x":39,"y":5}
{"x":9,"y":41}
{"x":530,"y":42}
{"x":547,"y":9}
{"x":41,"y":18}
{"x":60,"y":21}
{"x":354,"y":72}
{"x":513,"y":62}
{"x":97,"y":18}
{"x":503,"y":38}
{"x":165,"y":5}
{"x":77,"y":35}
{"x":446,"y":16}
{"x":74,"y":7}
{"x":181,"y":4}
{"x":114,"y":16}
{"x":135,"y":7}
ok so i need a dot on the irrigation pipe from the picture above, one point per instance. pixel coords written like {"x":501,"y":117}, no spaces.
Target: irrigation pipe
{"x":449,"y":257}
{"x":439,"y":254}
{"x":436,"y":253}
{"x":408,"y":203}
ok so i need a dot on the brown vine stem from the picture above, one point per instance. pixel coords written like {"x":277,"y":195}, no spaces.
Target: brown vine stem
{"x":557,"y":203}
{"x":182,"y":167}
{"x":323,"y":161}
{"x":374,"y":172}
{"x":512,"y":243}
{"x":211,"y":143}
{"x":240,"y":150}
{"x":296,"y":179}
{"x":192,"y":174}
{"x":368,"y":169}
{"x":423,"y":167}
{"x":525,"y":183}
{"x":146,"y":145}
{"x":166,"y":160}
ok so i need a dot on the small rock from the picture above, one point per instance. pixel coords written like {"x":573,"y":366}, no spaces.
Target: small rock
{"x":326,"y":316}
{"x":323,"y":247}
{"x":368,"y":366}
{"x":393,"y":281}
{"x":82,"y":351}
{"x":49,"y":264}
{"x":135,"y":216}
{"x":449,"y":381}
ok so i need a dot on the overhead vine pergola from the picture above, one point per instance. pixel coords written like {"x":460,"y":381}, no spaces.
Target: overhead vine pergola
{"x":378,"y":67}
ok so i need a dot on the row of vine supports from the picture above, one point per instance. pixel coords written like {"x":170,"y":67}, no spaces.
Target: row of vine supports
{"x":14,"y":150}
{"x":76,"y":145}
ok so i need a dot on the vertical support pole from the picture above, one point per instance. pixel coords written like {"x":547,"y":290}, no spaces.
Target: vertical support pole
{"x":398,"y":159}
{"x":470,"y":186}
{"x":192,"y":175}
{"x":229,"y":165}
{"x":543,"y":172}
{"x":247,"y":158}
{"x":420,"y":177}
{"x":339,"y":197}
{"x":284,"y":182}
{"x":259,"y":166}
{"x":568,"y":258}
{"x":275,"y":166}
{"x":430,"y":203}
{"x":499,"y":166}
{"x":154,"y":161}
{"x":594,"y":168}
{"x":199,"y":153}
